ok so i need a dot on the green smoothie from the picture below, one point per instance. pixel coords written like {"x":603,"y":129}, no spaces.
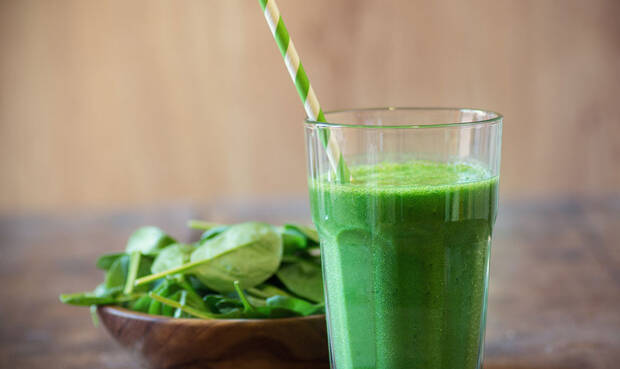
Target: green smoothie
{"x":405,"y":258}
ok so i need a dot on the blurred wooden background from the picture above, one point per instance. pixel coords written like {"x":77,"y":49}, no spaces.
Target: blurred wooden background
{"x":111,"y":104}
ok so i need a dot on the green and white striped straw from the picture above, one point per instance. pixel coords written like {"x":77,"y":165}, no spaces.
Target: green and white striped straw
{"x":306,"y":93}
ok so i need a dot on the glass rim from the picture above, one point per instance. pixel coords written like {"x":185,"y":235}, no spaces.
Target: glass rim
{"x":496,"y":118}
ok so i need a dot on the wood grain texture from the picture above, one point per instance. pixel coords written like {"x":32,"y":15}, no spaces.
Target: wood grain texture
{"x":555,"y":289}
{"x":553,"y":299}
{"x":165,"y":343}
{"x":107,"y":104}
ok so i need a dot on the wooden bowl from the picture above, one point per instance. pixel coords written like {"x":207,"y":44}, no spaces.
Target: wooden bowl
{"x":164,"y":343}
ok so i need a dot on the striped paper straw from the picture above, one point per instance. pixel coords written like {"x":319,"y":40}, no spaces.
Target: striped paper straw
{"x":305,"y":90}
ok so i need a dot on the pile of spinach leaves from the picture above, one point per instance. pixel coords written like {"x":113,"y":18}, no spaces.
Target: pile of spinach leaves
{"x":239,"y":271}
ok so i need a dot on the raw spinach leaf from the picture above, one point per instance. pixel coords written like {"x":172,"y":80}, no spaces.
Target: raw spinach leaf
{"x":171,"y":257}
{"x":272,"y":312}
{"x":187,"y":309}
{"x":132,"y":273}
{"x":166,"y":288}
{"x":309,"y":232}
{"x":197,"y":285}
{"x":302,"y":307}
{"x":117,"y":274}
{"x":93,"y":315}
{"x":247,"y":307}
{"x":154,"y":307}
{"x":102,"y":291}
{"x":91,"y":298}
{"x":255,"y":301}
{"x":225,"y":306}
{"x":141,"y":304}
{"x":220,"y":304}
{"x":289,"y":259}
{"x":105,"y":261}
{"x":247,"y":252}
{"x":210,"y":233}
{"x":211,"y":301}
{"x":265,"y":291}
{"x":292,"y":240}
{"x":138,"y":267}
{"x":193,"y":298}
{"x":86,"y":299}
{"x":201,"y":224}
{"x":298,"y":238}
{"x":230,"y":275}
{"x":167,"y":310}
{"x":148,"y":240}
{"x":178,"y":312}
{"x":320,"y":309}
{"x":146,"y":262}
{"x":303,"y":278}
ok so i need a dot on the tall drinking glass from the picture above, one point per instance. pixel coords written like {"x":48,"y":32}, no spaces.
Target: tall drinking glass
{"x":405,"y":243}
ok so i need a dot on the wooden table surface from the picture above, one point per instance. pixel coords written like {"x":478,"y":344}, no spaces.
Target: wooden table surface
{"x":554,"y":295}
